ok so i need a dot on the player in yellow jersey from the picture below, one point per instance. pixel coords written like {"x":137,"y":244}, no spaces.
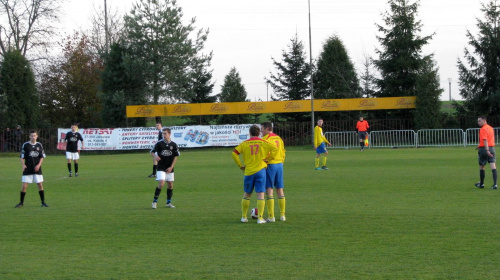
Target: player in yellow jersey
{"x":274,"y":172}
{"x":319,"y":145}
{"x":254,"y":150}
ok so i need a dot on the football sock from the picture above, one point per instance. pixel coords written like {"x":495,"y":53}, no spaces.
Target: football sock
{"x":154,"y":169}
{"x":69,"y":167}
{"x":316,"y":162}
{"x":23,"y":194}
{"x":362,"y":145}
{"x":170,"y":192}
{"x":270,"y":206}
{"x":324,"y":161}
{"x":76,"y":167}
{"x":481,"y":176}
{"x":494,"y":171}
{"x":261,"y":204}
{"x":245,"y":204}
{"x":42,"y":195}
{"x":157,"y":194}
{"x":282,"y":203}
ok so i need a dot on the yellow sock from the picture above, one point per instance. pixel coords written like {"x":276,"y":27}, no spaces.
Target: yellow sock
{"x":245,"y":204}
{"x":270,"y":206}
{"x":316,"y":162}
{"x":324,"y":161}
{"x":261,"y":204}
{"x":282,"y":202}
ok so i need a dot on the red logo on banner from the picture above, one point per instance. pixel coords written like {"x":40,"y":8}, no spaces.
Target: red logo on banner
{"x":219,"y":108}
{"x":144,"y":111}
{"x":182,"y":109}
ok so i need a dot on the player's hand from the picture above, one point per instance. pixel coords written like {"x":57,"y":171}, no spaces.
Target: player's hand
{"x":169,"y":170}
{"x":24,"y":167}
{"x":315,"y":147}
{"x":242,"y":168}
{"x":329,"y":144}
{"x":157,"y":158}
{"x":37,"y":167}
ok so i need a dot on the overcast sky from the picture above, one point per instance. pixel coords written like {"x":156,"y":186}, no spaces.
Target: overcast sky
{"x":246,"y":33}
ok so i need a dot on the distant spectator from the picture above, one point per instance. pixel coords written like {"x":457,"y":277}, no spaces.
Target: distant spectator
{"x":18,"y":138}
{"x":7,"y":139}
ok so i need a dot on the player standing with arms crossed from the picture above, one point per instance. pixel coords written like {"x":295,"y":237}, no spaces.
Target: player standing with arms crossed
{"x":362,"y":128}
{"x":165,"y":152}
{"x":255,"y":150}
{"x":274,"y":173}
{"x":486,"y":152}
{"x":72,"y":139}
{"x":160,"y":136}
{"x":32,"y":155}
{"x":319,"y":145}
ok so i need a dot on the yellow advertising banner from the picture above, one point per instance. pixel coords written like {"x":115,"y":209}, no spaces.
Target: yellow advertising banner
{"x":292,"y":106}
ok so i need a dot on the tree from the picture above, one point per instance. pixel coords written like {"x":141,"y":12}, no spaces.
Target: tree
{"x":69,"y":88}
{"x":400,"y":57}
{"x":28,"y":24}
{"x":335,"y":75}
{"x":233,"y":90}
{"x":107,"y":28}
{"x":122,"y":85}
{"x":367,"y":78}
{"x":202,"y":86}
{"x":157,"y":37}
{"x":19,"y":91}
{"x":292,"y":79}
{"x":428,"y":111}
{"x":479,"y":74}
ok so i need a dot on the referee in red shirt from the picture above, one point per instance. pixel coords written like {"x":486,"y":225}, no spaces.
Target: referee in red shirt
{"x":362,"y":128}
{"x":486,"y":152}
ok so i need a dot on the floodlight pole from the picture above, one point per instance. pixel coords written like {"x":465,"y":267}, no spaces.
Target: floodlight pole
{"x":449,"y":88}
{"x":311,"y":75}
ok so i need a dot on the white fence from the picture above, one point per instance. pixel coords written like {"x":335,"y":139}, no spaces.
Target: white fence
{"x":410,"y":138}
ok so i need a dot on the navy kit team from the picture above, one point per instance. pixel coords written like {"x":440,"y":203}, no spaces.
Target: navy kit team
{"x":72,"y":151}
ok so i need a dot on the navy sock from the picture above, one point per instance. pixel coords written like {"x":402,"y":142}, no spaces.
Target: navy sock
{"x":495,"y":176}
{"x":481,"y":176}
{"x":69,"y":167}
{"x":170,"y":192}
{"x":157,"y":194}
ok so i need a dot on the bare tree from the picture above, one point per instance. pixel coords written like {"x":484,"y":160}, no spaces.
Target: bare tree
{"x":26,"y":24}
{"x":107,"y":28}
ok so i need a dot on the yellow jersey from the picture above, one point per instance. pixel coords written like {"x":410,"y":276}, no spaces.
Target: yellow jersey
{"x":319,"y":137}
{"x":254,"y":151}
{"x":276,"y":140}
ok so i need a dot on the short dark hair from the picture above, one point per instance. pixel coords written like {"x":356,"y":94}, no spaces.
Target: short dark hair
{"x":254,"y":130}
{"x":159,"y":122}
{"x":166,"y":129}
{"x":268,"y":125}
{"x":33,"y":131}
{"x":482,"y":117}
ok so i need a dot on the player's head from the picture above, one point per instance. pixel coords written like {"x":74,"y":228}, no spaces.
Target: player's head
{"x":158,"y":125}
{"x":18,"y":127}
{"x":481,"y":121}
{"x":320,"y":122}
{"x":254,"y":131}
{"x":74,"y":127}
{"x":266,"y":128}
{"x":166,"y":133}
{"x":361,"y":118}
{"x":33,"y":136}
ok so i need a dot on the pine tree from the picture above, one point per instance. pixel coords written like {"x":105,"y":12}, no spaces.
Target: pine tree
{"x":479,"y":74}
{"x":428,"y":111}
{"x":292,"y":81}
{"x":202,"y":87}
{"x":233,"y":90}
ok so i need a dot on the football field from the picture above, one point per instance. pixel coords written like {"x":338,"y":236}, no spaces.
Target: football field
{"x":378,"y":214}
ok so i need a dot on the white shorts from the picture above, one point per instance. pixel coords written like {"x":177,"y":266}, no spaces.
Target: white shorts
{"x":164,"y":176}
{"x":32,"y":179}
{"x":73,"y":156}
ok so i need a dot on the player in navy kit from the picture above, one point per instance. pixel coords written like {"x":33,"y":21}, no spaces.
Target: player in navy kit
{"x":165,"y":152}
{"x":160,"y":136}
{"x":72,"y":139}
{"x":32,"y":155}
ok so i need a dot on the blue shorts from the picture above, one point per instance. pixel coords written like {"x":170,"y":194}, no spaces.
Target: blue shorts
{"x":256,"y":180}
{"x":321,"y":149}
{"x":274,"y":176}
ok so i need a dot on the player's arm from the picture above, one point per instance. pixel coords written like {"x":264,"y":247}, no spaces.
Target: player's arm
{"x":487,"y":147}
{"x":273,"y":150}
{"x":81,"y":139}
{"x":169,"y":170}
{"x":23,"y":165}
{"x":153,"y":154}
{"x":39,"y":165}
{"x":236,"y":157}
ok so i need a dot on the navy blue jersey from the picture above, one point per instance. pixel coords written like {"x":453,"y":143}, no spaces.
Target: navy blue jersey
{"x":32,"y":154}
{"x":167,"y":152}
{"x":72,"y":141}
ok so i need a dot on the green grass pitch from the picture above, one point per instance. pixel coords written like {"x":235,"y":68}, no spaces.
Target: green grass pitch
{"x":378,"y":214}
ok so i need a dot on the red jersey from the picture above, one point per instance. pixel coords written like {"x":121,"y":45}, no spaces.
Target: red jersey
{"x":486,"y":133}
{"x":362,"y":126}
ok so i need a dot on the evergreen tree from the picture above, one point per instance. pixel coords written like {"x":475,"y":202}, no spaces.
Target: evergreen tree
{"x":157,"y":37}
{"x":202,"y":86}
{"x":479,"y":74}
{"x":428,"y":111}
{"x":292,"y":79}
{"x":367,"y":78}
{"x":19,"y":91}
{"x":122,"y":85}
{"x":233,"y":90}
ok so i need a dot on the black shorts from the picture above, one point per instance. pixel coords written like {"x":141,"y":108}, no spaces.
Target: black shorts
{"x":483,"y":157}
{"x":362,"y":135}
